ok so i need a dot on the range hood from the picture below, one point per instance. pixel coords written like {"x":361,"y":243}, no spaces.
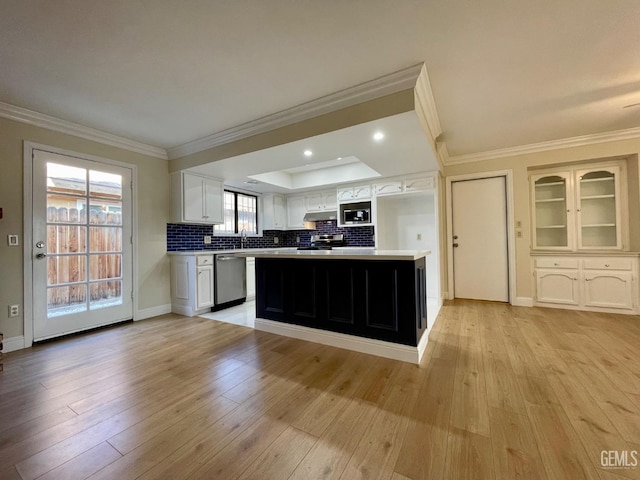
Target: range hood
{"x":319,"y":216}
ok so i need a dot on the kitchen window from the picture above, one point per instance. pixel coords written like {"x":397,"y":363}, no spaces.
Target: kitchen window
{"x":240,"y":213}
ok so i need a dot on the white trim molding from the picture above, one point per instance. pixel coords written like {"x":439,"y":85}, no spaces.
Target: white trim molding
{"x":396,"y":351}
{"x":580,"y":141}
{"x":424,"y":97}
{"x":379,"y":87}
{"x":522,"y":302}
{"x":151,"y":312}
{"x":12,"y":344}
{"x":41,"y":120}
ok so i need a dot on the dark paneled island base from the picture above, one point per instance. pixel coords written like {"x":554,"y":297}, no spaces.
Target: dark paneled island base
{"x":380,"y":300}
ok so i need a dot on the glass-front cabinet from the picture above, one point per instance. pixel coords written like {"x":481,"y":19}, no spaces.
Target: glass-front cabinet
{"x":597,"y":207}
{"x":577,"y":209}
{"x":551,"y":211}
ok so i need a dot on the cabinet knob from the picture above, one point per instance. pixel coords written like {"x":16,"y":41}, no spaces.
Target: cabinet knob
{"x":606,"y":265}
{"x":555,"y":264}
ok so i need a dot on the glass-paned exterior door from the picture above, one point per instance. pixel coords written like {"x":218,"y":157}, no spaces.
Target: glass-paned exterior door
{"x":82,"y":248}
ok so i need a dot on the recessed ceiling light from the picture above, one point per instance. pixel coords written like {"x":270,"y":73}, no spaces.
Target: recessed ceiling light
{"x":378,"y":136}
{"x":308,"y":153}
{"x":339,"y":158}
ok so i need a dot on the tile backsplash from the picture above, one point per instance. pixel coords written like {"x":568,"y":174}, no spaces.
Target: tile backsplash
{"x":182,"y":236}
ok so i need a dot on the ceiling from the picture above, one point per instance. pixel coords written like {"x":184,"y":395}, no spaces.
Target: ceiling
{"x":166,"y":72}
{"x":403,"y":150}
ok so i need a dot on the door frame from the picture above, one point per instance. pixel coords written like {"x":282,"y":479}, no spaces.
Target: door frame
{"x":27,"y":234}
{"x":511,"y":253}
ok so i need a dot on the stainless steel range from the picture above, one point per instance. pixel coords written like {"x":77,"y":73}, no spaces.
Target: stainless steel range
{"x":324,"y":242}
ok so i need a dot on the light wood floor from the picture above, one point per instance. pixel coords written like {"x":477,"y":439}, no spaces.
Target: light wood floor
{"x":503,"y":393}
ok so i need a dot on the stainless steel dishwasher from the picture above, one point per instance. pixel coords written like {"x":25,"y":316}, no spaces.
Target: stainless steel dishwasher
{"x":231,"y":278}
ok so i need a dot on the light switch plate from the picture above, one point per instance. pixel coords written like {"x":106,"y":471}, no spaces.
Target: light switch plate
{"x":276,"y":240}
{"x":207,"y":239}
{"x":13,"y":240}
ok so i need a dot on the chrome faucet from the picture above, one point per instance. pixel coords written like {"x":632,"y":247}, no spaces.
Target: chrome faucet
{"x":243,"y":239}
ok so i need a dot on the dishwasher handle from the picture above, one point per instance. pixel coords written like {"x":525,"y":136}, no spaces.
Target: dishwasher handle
{"x":227,"y":258}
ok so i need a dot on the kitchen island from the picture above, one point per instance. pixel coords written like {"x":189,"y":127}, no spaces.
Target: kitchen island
{"x":368,"y":300}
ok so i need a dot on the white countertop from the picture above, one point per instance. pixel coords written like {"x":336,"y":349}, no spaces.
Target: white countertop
{"x":347,"y":253}
{"x":228,"y":250}
{"x":339,"y":253}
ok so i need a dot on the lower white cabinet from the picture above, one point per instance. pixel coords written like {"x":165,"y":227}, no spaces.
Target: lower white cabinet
{"x":251,"y":278}
{"x":598,"y":283}
{"x":608,"y":290}
{"x":558,"y":286}
{"x":192,"y":284}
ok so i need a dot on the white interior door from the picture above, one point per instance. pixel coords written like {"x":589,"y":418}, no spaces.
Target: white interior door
{"x":480,"y":253}
{"x":82,"y":252}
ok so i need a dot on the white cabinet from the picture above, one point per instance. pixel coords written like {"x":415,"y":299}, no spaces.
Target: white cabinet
{"x":251,"y":278}
{"x":358,"y":192}
{"x":321,"y":201}
{"x":192,"y":284}
{"x":196,"y":199}
{"x":408,"y":185}
{"x":578,"y":209}
{"x":274,"y":212}
{"x":599,"y":283}
{"x":391,"y":187}
{"x":204,"y":286}
{"x":419,"y":184}
{"x":296,"y":210}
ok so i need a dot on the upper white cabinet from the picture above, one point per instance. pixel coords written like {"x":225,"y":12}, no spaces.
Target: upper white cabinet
{"x":349,"y":194}
{"x":296,"y":210}
{"x":196,"y":198}
{"x":321,"y":201}
{"x":274,"y":212}
{"x":578,"y":209}
{"x":397,"y":186}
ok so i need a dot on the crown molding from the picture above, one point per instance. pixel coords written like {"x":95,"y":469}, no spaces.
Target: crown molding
{"x":580,"y":141}
{"x":424,"y":97}
{"x":37,"y":119}
{"x":379,"y":87}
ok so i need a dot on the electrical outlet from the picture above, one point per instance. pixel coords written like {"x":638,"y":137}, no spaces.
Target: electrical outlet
{"x":276,"y":240}
{"x":13,"y":240}
{"x":519,"y":233}
{"x":297,"y":239}
{"x":518,"y":223}
{"x":14,"y":310}
{"x":207,"y":239}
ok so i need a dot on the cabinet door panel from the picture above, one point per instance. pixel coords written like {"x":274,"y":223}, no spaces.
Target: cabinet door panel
{"x":557,"y":286}
{"x":608,"y":290}
{"x":330,"y":201}
{"x":419,"y":184}
{"x":193,"y":191}
{"x":314,"y":203}
{"x":213,"y":197}
{"x":552,"y":211}
{"x":204,"y":287}
{"x":598,"y":198}
{"x":296,"y":210}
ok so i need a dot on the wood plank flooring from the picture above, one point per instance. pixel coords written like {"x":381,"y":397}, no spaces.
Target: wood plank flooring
{"x":502,"y":393}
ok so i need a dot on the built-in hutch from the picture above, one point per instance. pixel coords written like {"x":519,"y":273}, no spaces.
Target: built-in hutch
{"x":580,"y":238}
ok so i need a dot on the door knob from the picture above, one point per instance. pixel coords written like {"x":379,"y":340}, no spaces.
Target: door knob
{"x":455,"y":245}
{"x":41,"y":255}
{"x":455,"y":237}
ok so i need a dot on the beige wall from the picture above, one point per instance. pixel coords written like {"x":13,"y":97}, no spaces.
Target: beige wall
{"x":153,"y":214}
{"x":519,"y":164}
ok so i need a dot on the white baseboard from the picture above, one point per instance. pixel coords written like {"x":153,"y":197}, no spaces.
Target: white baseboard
{"x":152,"y":312}
{"x":12,"y":344}
{"x":522,"y":302}
{"x":380,"y":348}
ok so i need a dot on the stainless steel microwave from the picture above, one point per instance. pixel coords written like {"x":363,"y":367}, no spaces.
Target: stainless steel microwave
{"x":360,"y":215}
